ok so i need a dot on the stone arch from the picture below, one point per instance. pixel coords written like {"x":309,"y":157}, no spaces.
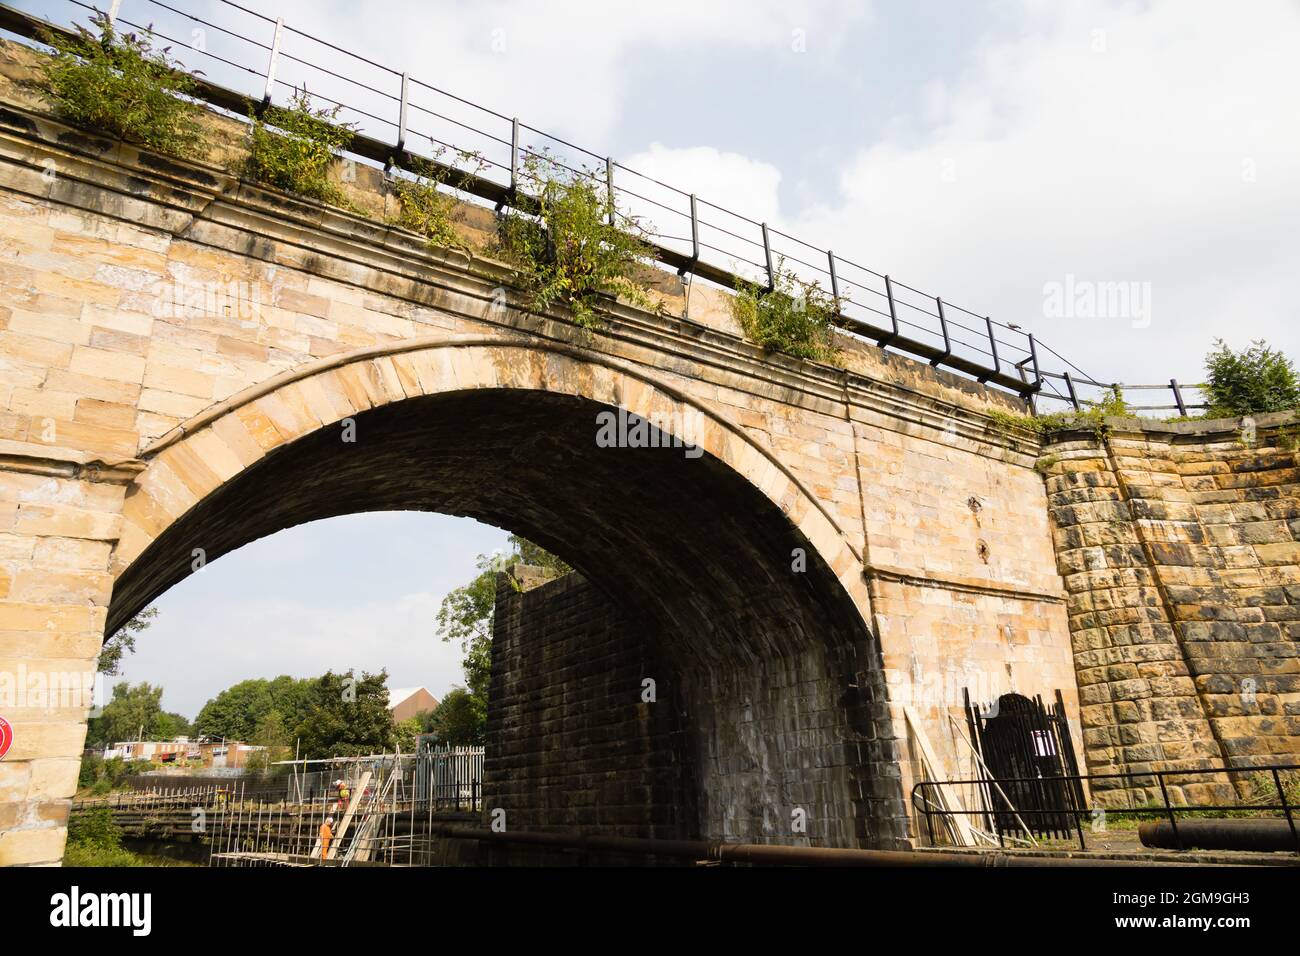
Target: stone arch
{"x":777,"y":671}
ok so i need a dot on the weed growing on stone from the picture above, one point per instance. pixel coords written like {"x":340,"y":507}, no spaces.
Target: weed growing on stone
{"x":1093,"y":417}
{"x":427,"y":207}
{"x":120,"y":85}
{"x":795,"y":317}
{"x":293,"y":148}
{"x":566,"y":249}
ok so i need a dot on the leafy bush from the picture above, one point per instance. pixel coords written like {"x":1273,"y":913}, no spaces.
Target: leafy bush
{"x":120,"y":85}
{"x":94,"y":839}
{"x":94,"y":826}
{"x":101,"y":776}
{"x":1258,"y":379}
{"x":428,"y":209}
{"x":565,"y":247}
{"x":795,"y":317}
{"x":293,"y":148}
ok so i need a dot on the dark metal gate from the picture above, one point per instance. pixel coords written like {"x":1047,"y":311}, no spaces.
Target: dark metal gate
{"x":1027,"y":750}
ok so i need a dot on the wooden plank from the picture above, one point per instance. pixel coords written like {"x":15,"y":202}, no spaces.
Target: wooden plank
{"x":355,"y":802}
{"x":948,"y":796}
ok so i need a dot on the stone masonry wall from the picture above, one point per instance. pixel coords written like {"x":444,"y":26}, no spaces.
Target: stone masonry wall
{"x":1180,"y":549}
{"x":144,"y":299}
{"x":571,"y":744}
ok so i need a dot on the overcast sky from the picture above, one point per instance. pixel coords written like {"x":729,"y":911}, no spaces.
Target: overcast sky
{"x":988,"y":152}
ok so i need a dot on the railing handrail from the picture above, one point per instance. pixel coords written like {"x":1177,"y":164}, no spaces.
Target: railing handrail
{"x":398,"y":154}
{"x":1166,"y":807}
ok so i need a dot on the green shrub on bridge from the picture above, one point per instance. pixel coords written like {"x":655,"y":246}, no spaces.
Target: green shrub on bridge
{"x":293,"y":148}
{"x":120,"y":85}
{"x":795,"y":317}
{"x":427,"y":208}
{"x":1253,"y":381}
{"x":564,"y":245}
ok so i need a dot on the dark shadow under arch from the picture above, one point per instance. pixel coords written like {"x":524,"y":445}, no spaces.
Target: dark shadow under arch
{"x":779,"y":678}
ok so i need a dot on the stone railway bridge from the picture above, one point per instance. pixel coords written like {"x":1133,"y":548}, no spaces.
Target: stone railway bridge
{"x":342,"y":366}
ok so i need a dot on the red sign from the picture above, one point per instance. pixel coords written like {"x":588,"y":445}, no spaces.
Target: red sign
{"x":6,"y":737}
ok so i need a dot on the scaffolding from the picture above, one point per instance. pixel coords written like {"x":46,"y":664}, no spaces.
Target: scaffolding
{"x":383,"y":808}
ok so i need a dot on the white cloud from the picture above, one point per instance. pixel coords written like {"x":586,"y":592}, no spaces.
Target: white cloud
{"x":727,"y":179}
{"x":1152,"y":144}
{"x":561,"y":65}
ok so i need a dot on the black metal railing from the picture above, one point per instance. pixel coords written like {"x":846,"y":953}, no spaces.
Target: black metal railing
{"x":1000,"y":815}
{"x":260,"y":59}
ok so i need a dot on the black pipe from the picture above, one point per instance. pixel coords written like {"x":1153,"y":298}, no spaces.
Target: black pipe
{"x":1253,"y":835}
{"x":712,"y":851}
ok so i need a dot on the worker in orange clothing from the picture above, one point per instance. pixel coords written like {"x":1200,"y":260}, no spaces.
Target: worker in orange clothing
{"x":326,"y":835}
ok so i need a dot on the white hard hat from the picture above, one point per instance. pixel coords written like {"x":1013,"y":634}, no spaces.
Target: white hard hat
{"x":329,"y":819}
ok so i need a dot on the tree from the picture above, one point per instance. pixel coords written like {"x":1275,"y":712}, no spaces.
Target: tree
{"x":347,"y":716}
{"x":171,"y":725}
{"x":460,"y":719}
{"x":133,"y":713}
{"x":1256,"y":380}
{"x":466,"y":613}
{"x":236,"y":712}
{"x":123,"y":642}
{"x":405,"y":734}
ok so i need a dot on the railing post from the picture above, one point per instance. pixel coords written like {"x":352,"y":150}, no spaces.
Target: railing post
{"x":1178,"y":396}
{"x":401,"y":116}
{"x":695,"y":239}
{"x":943,"y":327}
{"x":1173,"y":823}
{"x":1074,"y":398}
{"x":113,"y":9}
{"x":893,"y":314}
{"x":1286,"y":809}
{"x":835,"y":279}
{"x":993,"y":346}
{"x":767,"y":255}
{"x":514,"y":166}
{"x":1033,"y":354}
{"x":609,"y":189}
{"x":514,"y":155}
{"x":270,"y":63}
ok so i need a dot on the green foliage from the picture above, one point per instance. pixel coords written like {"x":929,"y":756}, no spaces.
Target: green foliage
{"x":94,"y":839}
{"x":465,"y":615}
{"x":1256,"y":380}
{"x":795,"y":317}
{"x":426,"y":206}
{"x":240,"y":712}
{"x":95,"y":826}
{"x":405,"y":734}
{"x":102,"y":776}
{"x":134,"y":712}
{"x":346,"y":716}
{"x":461,"y":719}
{"x":293,"y":148}
{"x":123,"y":642}
{"x":120,"y":85}
{"x":1092,"y":417}
{"x":567,"y":251}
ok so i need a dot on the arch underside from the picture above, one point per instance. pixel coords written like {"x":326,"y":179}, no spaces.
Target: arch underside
{"x":776,"y":674}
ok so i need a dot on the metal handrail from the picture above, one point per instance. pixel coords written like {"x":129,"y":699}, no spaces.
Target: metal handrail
{"x":930,"y":808}
{"x":1007,"y":358}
